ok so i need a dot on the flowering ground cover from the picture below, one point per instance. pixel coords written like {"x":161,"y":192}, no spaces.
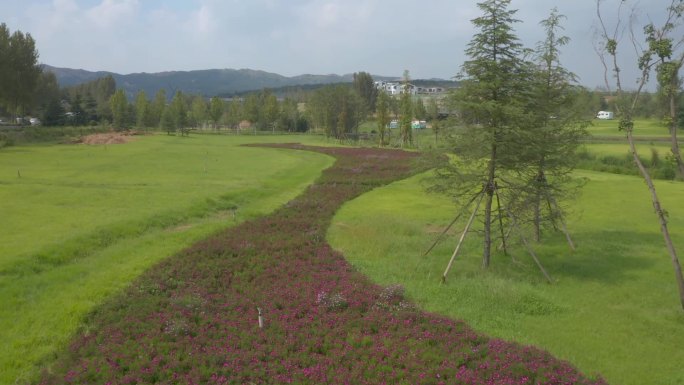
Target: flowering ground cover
{"x":270,"y":302}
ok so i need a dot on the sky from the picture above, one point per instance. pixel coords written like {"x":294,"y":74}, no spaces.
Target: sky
{"x":292,"y":37}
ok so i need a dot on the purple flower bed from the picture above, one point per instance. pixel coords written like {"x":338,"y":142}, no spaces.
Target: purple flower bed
{"x":194,"y":318}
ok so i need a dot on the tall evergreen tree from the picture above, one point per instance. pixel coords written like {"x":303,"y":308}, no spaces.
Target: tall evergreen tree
{"x":491,"y":103}
{"x":556,"y":130}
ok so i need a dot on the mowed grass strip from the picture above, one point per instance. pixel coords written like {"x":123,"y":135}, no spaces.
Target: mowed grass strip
{"x":80,"y":222}
{"x":613,"y":308}
{"x":643,"y":128}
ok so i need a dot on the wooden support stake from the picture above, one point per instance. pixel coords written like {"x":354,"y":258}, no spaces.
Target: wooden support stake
{"x":508,"y":234}
{"x":536,"y":260}
{"x":531,"y":251}
{"x":451,"y":224}
{"x":261,"y":319}
{"x":460,"y":241}
{"x":501,"y":227}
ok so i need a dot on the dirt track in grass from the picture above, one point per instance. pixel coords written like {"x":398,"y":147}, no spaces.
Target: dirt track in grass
{"x":194,"y":318}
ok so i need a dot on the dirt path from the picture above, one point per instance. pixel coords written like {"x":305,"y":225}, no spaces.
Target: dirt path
{"x":195,"y":318}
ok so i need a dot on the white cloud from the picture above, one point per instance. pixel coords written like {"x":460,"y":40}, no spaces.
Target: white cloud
{"x":202,"y":22}
{"x":112,"y":13}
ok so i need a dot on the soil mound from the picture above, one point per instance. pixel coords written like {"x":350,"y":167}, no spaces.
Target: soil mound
{"x":108,"y":138}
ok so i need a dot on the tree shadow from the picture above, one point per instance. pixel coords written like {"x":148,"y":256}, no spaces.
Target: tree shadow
{"x":608,"y":256}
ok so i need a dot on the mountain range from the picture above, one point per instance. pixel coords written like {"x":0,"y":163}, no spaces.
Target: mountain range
{"x":211,"y":82}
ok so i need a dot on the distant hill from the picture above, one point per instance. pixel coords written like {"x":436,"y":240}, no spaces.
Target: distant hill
{"x":204,"y":82}
{"x":212,"y":82}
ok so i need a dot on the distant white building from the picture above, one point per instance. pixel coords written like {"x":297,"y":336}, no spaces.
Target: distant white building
{"x":397,"y":88}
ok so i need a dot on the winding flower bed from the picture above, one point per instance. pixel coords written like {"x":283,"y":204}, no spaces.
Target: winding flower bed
{"x":195,"y":318}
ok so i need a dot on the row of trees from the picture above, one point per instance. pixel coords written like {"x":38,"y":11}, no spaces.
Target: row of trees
{"x":262,"y":110}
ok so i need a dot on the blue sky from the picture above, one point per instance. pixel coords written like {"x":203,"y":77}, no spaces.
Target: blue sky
{"x":290,"y":37}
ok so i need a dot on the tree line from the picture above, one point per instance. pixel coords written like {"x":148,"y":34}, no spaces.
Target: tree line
{"x":338,"y":110}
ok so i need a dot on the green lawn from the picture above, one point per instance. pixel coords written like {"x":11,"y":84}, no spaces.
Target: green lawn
{"x":80,"y":222}
{"x":613,"y":309}
{"x":644,"y":149}
{"x":642,"y":128}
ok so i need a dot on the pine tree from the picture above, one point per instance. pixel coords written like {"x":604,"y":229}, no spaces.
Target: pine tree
{"x":491,"y":104}
{"x":556,"y":130}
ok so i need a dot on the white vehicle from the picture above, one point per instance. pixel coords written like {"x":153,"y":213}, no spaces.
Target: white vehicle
{"x":605,"y":115}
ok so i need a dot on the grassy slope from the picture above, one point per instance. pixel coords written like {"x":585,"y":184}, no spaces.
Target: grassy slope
{"x":82,"y":221}
{"x":613,"y":309}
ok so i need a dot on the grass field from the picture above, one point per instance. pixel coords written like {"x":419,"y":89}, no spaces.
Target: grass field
{"x":642,"y":128}
{"x":80,"y":222}
{"x":613,"y":308}
{"x":645,"y":150}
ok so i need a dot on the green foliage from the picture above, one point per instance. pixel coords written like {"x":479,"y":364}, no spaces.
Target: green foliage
{"x":419,"y":110}
{"x":177,"y":114}
{"x":142,"y":110}
{"x":19,"y":69}
{"x":406,"y":113}
{"x":616,"y":159}
{"x":492,"y":104}
{"x":365,"y":87}
{"x":54,"y":113}
{"x":47,"y":90}
{"x":338,"y":109}
{"x":555,"y":129}
{"x":234,"y":113}
{"x":96,"y":94}
{"x":199,"y":111}
{"x":119,"y":106}
{"x":382,"y":116}
{"x":216,"y":109}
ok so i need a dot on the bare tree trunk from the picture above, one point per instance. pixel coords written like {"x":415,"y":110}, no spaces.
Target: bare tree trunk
{"x":661,"y":217}
{"x":501,"y":225}
{"x":489,"y":190}
{"x":627,"y":124}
